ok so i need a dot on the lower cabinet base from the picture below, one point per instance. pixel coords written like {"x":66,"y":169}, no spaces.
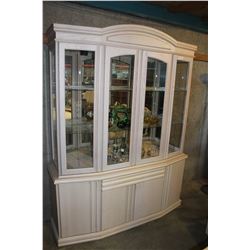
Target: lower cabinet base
{"x":111,"y":231}
{"x":91,"y":207}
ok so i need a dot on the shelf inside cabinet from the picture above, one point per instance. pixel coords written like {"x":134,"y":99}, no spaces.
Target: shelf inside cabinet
{"x":155,"y":88}
{"x":177,"y":123}
{"x":180,"y":89}
{"x":83,"y":87}
{"x":116,"y":129}
{"x":172,"y":149}
{"x":151,"y":126}
{"x":120,"y":88}
{"x":79,"y":125}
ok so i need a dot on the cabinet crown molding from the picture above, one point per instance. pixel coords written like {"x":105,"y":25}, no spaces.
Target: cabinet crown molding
{"x":128,"y":34}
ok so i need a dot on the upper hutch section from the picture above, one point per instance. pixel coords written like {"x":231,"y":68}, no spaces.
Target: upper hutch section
{"x":136,"y":36}
{"x":119,"y":96}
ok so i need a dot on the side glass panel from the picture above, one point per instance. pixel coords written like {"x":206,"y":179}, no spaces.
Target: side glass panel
{"x":180,"y":93}
{"x":120,"y":102}
{"x":153,"y":110}
{"x":53,"y":103}
{"x":79,"y":108}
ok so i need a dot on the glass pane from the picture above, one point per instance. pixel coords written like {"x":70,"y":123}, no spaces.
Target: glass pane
{"x":87,"y":71}
{"x":120,"y":102}
{"x":178,"y":105}
{"x":68,"y":70}
{"x":53,"y":100}
{"x":153,"y":110}
{"x":79,"y":108}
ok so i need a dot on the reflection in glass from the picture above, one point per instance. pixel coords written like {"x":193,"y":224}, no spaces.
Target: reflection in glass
{"x":178,"y":105}
{"x":79,"y":108}
{"x":153,"y":110}
{"x":120,"y":101}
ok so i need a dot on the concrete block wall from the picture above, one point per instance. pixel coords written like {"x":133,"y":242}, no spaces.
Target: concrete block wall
{"x":68,"y":13}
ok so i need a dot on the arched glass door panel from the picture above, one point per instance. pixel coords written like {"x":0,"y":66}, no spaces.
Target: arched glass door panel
{"x":120,"y":105}
{"x":153,"y":108}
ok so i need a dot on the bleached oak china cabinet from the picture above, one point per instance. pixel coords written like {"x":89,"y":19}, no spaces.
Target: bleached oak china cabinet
{"x":119,"y":101}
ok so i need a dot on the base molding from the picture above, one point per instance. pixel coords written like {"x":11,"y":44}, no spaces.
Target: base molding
{"x":111,"y":231}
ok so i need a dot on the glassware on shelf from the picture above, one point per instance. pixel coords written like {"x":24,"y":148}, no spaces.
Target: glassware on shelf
{"x":118,"y":151}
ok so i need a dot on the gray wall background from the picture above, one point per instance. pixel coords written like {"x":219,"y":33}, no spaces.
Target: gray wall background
{"x":196,"y":133}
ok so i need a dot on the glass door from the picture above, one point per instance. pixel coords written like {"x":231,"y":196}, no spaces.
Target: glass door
{"x":180,"y":100}
{"x":119,"y":103}
{"x":78,"y":116}
{"x":79,"y":108}
{"x":155,"y":88}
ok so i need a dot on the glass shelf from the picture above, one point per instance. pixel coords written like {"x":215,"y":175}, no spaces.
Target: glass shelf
{"x":172,"y":149}
{"x":180,"y":89}
{"x":177,"y":123}
{"x":86,"y":87}
{"x":120,"y":88}
{"x":116,"y":129}
{"x":155,"y":88}
{"x":158,"y":125}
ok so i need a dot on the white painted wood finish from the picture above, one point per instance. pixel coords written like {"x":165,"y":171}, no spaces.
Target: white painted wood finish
{"x":75,"y":207}
{"x":95,"y":209}
{"x":61,"y":117}
{"x":148,"y":197}
{"x":174,"y":182}
{"x":166,"y":58}
{"x":110,"y":53}
{"x":92,"y":203}
{"x":114,"y":207}
{"x":170,"y":108}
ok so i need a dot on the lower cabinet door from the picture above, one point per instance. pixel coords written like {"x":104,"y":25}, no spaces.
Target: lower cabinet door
{"x":148,"y":197}
{"x":77,"y":208}
{"x":116,"y":206}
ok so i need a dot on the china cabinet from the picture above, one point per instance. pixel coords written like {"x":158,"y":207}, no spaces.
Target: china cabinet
{"x":119,"y":101}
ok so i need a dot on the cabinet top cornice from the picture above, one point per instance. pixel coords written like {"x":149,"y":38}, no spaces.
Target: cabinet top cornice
{"x":124,"y":34}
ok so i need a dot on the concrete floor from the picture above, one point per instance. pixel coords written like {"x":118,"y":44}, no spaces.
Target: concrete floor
{"x":182,"y":229}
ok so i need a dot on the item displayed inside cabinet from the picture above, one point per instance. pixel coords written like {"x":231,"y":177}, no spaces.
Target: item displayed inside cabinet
{"x":150,"y":148}
{"x":121,"y":84}
{"x":118,"y":151}
{"x":178,"y":105}
{"x":119,"y":116}
{"x":79,"y":108}
{"x":149,"y":119}
{"x":153,"y":110}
